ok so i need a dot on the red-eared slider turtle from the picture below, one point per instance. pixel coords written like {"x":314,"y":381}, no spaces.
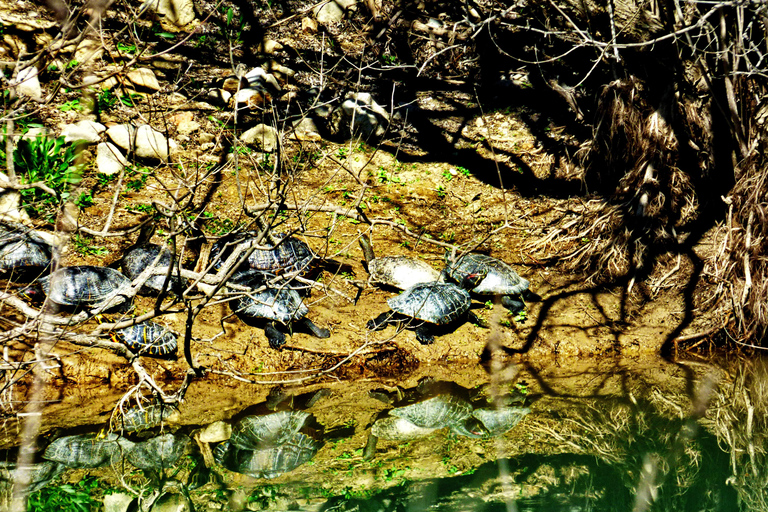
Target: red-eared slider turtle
{"x":284,"y":255}
{"x":256,"y":432}
{"x":144,"y":417}
{"x":83,"y":286}
{"x":158,"y":453}
{"x":22,"y":250}
{"x":432,"y":303}
{"x":87,"y":450}
{"x":267,"y":462}
{"x":148,"y":339}
{"x":500,"y":278}
{"x":396,"y":271}
{"x":495,"y":422}
{"x":40,"y":474}
{"x":283,"y":305}
{"x":137,"y":259}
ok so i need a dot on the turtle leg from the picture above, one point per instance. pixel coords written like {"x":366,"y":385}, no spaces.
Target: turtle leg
{"x":275,"y":337}
{"x":424,"y":334}
{"x":514,"y":304}
{"x":472,"y":317}
{"x":380,"y":322}
{"x":320,"y":332}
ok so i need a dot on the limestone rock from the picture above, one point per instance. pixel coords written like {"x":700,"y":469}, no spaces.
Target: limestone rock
{"x":177,"y":13}
{"x":10,"y":205}
{"x":328,"y":13}
{"x":27,"y":84}
{"x":109,"y":159}
{"x":85,"y":130}
{"x":261,"y":136}
{"x":149,"y":143}
{"x":122,"y":135}
{"x":89,"y":50}
{"x":305,"y":129}
{"x":144,"y":78}
{"x":360,"y":115}
{"x":117,"y":502}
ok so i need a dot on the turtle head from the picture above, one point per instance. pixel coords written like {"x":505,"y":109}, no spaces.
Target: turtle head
{"x":33,"y":293}
{"x":466,"y":280}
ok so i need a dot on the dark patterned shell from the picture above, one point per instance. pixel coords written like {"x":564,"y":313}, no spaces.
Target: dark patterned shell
{"x":22,"y":249}
{"x":139,"y":258}
{"x":268,"y":462}
{"x":158,"y":453}
{"x":499,"y":421}
{"x":287,"y":256}
{"x":501,"y":279}
{"x":256,"y":432}
{"x":400,"y":272}
{"x":150,"y":339}
{"x":437,"y":303}
{"x":141,"y":418}
{"x":283,"y":305}
{"x":40,"y":474}
{"x":438,"y":412}
{"x":87,"y":450}
{"x":398,"y":429}
{"x":83,"y":285}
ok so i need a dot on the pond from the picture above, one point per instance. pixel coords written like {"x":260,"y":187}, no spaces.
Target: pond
{"x":609,"y":434}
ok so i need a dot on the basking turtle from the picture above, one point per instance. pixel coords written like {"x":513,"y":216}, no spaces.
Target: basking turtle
{"x":500,"y":278}
{"x":82,"y":286}
{"x":397,"y":271}
{"x":256,"y":432}
{"x":139,"y":418}
{"x":287,"y":254}
{"x":87,"y":450}
{"x":158,"y":453}
{"x":149,"y":339}
{"x":22,"y":250}
{"x":495,"y":422}
{"x":144,"y":254}
{"x":432,"y":303}
{"x":268,"y":462}
{"x":283,"y":305}
{"x":40,"y":474}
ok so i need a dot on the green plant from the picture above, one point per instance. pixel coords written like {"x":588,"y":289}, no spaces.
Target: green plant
{"x":85,"y":246}
{"x":521,"y":316}
{"x":129,"y":100}
{"x":105,"y":179}
{"x":463,"y":171}
{"x":141,"y":208}
{"x":76,"y":497}
{"x":441,"y":191}
{"x":342,"y":153}
{"x":84,"y":200}
{"x":126,"y":48}
{"x":138,"y":177}
{"x":52,"y":162}
{"x":71,"y":105}
{"x":105,"y":100}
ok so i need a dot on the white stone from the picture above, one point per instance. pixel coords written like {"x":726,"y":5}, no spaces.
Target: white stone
{"x":117,"y":502}
{"x":177,"y":12}
{"x":328,"y":13}
{"x":122,"y":135}
{"x":89,"y":50}
{"x":305,"y":129}
{"x":152,"y":144}
{"x":109,"y":159}
{"x":10,"y":205}
{"x":145,"y":78}
{"x":85,"y":130}
{"x":27,"y":84}
{"x":216,"y":432}
{"x":243,"y":95}
{"x":261,"y":136}
{"x":359,"y":114}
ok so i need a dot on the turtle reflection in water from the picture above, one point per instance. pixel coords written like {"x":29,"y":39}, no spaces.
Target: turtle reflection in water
{"x":39,"y":474}
{"x":87,"y":450}
{"x":267,"y":446}
{"x":138,"y":418}
{"x":158,"y":453}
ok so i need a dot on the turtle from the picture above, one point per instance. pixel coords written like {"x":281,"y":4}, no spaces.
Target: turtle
{"x":399,"y":272}
{"x":87,"y":450}
{"x":143,"y":254}
{"x":158,"y":453}
{"x":255,"y":432}
{"x":269,"y":462}
{"x":40,"y":474}
{"x":288,"y":254}
{"x":22,"y":251}
{"x":433,"y":303}
{"x":495,"y":422}
{"x":139,"y":418}
{"x":82,"y":286}
{"x":148,"y":338}
{"x":500,"y":278}
{"x":283,"y":305}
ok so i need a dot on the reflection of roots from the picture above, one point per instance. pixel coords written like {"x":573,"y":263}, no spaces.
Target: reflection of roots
{"x":739,"y":418}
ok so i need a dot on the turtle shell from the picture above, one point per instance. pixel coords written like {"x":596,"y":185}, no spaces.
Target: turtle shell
{"x":267,"y":462}
{"x":23,"y":250}
{"x":437,"y":303}
{"x":136,"y":260}
{"x":256,"y":432}
{"x":83,"y":285}
{"x":499,"y":421}
{"x":149,"y":338}
{"x":500,"y":279}
{"x":282,"y":305}
{"x":158,"y":453}
{"x":401,"y":272}
{"x":398,"y":429}
{"x":288,"y":255}
{"x":437,"y":412}
{"x":87,"y":450}
{"x":40,"y":474}
{"x":141,"y":418}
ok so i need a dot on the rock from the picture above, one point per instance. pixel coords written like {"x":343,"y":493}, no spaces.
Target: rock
{"x":27,"y":84}
{"x":328,"y":13}
{"x":185,"y":122}
{"x":308,"y":26}
{"x":305,"y":129}
{"x":251,"y":97}
{"x":122,"y":135}
{"x":269,"y":46}
{"x":10,"y":205}
{"x":149,"y":143}
{"x":117,"y":502}
{"x":259,"y":79}
{"x":176,"y":13}
{"x":216,"y":432}
{"x":88,"y":131}
{"x":88,"y":50}
{"x":109,"y":159}
{"x":218,"y":97}
{"x":144,"y":78}
{"x":261,"y":136}
{"x":359,"y":115}
{"x":279,"y":71}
